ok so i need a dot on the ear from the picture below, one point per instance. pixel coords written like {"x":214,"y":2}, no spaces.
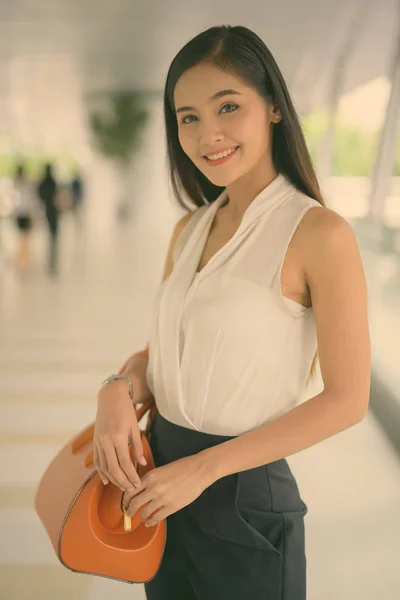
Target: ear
{"x":275,"y":113}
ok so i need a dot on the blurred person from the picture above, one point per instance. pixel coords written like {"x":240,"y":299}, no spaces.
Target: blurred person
{"x":26,"y":210}
{"x":77,"y":195}
{"x":254,"y":276}
{"x":48,"y":193}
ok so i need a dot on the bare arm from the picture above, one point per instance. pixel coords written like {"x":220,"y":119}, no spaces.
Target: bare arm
{"x":334,"y":272}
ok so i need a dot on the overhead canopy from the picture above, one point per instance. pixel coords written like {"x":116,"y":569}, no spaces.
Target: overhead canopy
{"x":54,"y":53}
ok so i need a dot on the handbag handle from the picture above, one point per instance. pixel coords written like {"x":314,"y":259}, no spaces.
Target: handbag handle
{"x":148,"y":404}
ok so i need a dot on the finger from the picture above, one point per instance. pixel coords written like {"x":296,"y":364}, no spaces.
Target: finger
{"x":96,"y":463}
{"x":133,"y":492}
{"x":138,"y":501}
{"x":114,"y":468}
{"x":144,"y":484}
{"x":137,"y":445}
{"x":102,"y":460}
{"x":160,"y":515}
{"x":128,"y":496}
{"x":150,"y":508}
{"x":126,"y":464}
{"x":125,"y":501}
{"x":104,"y":466}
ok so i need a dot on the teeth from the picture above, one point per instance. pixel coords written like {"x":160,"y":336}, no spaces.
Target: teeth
{"x":221,"y":154}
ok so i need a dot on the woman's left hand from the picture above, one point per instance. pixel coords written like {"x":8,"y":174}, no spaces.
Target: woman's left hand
{"x":167,"y":489}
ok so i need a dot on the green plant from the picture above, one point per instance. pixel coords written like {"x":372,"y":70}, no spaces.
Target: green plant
{"x":116,"y":134}
{"x":355,"y":148}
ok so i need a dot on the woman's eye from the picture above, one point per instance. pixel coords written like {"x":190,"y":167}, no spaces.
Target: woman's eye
{"x":235,"y":106}
{"x":231,"y":107}
{"x":185,"y":122}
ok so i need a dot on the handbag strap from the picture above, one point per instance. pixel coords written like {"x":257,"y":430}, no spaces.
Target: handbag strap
{"x":148,"y":405}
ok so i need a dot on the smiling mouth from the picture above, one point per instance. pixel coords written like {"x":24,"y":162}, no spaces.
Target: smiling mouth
{"x":220,"y":156}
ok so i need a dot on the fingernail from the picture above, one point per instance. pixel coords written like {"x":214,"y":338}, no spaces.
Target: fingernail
{"x":130,"y":490}
{"x":137,"y":485}
{"x":105,"y":481}
{"x":143,"y":461}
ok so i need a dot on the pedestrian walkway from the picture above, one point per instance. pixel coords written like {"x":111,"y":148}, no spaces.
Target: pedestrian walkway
{"x":61,"y":337}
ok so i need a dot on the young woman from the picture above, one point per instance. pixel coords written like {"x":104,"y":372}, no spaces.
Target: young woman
{"x":258,"y":274}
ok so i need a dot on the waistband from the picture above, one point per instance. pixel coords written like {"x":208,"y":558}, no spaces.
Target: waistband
{"x":174,"y":441}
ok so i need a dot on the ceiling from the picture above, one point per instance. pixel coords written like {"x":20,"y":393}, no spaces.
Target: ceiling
{"x":54,"y":53}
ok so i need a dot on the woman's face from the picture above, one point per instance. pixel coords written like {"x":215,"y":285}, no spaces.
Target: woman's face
{"x":212,"y":120}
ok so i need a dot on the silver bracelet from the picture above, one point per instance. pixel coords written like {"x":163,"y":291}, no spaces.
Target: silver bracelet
{"x":115,"y":377}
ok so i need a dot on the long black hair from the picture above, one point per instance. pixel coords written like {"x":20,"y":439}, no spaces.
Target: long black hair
{"x":239,"y":51}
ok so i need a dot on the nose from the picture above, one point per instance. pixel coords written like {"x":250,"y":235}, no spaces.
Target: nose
{"x":210,"y":133}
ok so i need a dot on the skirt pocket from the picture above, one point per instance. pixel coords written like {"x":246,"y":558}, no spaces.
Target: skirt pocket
{"x":240,"y":507}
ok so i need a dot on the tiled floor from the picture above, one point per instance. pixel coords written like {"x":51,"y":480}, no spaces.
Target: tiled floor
{"x":60,"y":338}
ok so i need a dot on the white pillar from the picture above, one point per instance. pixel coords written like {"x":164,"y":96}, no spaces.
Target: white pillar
{"x":387,"y":146}
{"x":356,"y":20}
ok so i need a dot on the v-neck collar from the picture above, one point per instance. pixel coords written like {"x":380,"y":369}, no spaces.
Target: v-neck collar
{"x":265,"y":200}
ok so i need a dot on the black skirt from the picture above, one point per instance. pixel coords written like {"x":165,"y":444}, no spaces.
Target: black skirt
{"x":243,"y":537}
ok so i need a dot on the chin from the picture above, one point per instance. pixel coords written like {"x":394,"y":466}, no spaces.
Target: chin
{"x":223,"y":180}
{"x":219,"y":176}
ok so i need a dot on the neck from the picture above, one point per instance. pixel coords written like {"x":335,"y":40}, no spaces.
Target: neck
{"x":242,"y":192}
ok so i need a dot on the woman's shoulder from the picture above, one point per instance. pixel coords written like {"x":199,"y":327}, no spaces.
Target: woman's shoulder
{"x":318,"y":225}
{"x":301,"y":200}
{"x":315,"y":218}
{"x":316,"y":215}
{"x":313,"y":224}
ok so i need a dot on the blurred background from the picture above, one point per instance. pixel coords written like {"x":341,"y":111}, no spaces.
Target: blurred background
{"x":86,"y":212}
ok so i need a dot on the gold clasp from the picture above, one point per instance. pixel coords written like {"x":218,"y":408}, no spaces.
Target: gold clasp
{"x":127,"y":522}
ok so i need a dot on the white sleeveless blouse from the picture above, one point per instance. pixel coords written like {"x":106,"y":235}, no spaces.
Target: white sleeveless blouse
{"x":227,"y":351}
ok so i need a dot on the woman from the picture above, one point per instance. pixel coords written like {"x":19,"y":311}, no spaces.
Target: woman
{"x":253,"y":278}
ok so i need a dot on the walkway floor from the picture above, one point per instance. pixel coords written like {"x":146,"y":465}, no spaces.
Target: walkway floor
{"x":59,"y":338}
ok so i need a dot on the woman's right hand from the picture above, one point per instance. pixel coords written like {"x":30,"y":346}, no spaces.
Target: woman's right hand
{"x":116,"y":427}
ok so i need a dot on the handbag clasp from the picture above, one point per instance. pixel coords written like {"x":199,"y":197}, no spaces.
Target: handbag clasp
{"x":127,"y":522}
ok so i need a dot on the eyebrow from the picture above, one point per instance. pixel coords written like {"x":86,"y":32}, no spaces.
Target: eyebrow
{"x":213,"y":97}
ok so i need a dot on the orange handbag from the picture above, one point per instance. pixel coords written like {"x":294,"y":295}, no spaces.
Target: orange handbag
{"x":84,"y":518}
